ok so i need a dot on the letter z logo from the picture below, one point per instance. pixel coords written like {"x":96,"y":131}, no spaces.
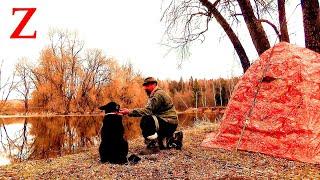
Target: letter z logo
{"x":23,"y":23}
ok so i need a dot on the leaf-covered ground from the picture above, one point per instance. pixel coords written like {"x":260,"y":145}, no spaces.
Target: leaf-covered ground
{"x":193,"y":162}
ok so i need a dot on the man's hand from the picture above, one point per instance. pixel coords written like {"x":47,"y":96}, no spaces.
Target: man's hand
{"x":124,"y":111}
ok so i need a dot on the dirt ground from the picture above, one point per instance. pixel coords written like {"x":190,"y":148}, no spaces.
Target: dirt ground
{"x":192,"y":162}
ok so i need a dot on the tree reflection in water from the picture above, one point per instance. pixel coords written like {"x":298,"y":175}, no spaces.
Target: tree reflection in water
{"x":56,"y":136}
{"x":45,"y":137}
{"x":14,"y":138}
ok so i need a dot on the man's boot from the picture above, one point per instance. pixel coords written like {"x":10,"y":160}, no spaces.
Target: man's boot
{"x":175,"y":141}
{"x":152,"y":147}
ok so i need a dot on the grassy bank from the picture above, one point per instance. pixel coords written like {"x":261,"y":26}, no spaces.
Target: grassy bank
{"x":193,"y":162}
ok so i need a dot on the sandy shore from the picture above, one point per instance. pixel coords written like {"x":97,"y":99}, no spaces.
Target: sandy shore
{"x":193,"y":162}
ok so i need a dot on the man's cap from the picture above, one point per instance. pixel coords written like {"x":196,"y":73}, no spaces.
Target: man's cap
{"x":149,"y":80}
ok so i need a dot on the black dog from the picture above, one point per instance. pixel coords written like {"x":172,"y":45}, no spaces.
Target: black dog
{"x":113,"y":147}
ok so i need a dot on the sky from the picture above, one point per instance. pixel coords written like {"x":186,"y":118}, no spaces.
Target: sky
{"x":129,"y":31}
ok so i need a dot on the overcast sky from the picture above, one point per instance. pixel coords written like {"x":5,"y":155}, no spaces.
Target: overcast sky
{"x":128,"y":31}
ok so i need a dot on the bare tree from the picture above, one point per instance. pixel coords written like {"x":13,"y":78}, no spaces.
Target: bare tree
{"x":66,"y":46}
{"x":68,"y":79}
{"x":25,"y":83}
{"x":311,"y":23}
{"x":58,"y":70}
{"x":283,"y":21}
{"x":95,"y":75}
{"x":187,"y":21}
{"x":257,"y":33}
{"x":191,"y":19}
{"x":6,"y":87}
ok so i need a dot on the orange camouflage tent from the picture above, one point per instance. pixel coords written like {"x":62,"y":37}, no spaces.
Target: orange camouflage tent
{"x":275,"y":107}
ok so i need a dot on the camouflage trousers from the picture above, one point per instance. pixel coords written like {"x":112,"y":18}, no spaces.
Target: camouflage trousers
{"x":158,"y":132}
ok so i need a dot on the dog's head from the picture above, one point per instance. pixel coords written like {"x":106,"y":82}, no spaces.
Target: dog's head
{"x":110,"y":107}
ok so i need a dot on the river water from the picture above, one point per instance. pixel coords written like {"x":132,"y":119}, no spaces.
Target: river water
{"x":44,"y":137}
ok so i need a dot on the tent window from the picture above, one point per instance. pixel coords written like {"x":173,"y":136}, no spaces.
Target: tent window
{"x":268,"y":79}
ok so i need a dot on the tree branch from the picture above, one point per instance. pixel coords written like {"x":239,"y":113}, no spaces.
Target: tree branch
{"x":272,"y":25}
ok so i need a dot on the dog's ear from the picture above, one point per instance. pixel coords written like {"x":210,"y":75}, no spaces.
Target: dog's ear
{"x":103,"y":107}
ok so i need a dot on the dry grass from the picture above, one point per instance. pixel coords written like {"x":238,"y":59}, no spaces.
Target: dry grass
{"x":193,"y":162}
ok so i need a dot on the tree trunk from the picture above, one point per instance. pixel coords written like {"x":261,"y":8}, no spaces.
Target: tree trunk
{"x":257,"y":33}
{"x":214,"y":94}
{"x":26,"y":105}
{"x":283,"y":21}
{"x":205,"y":93}
{"x":220,"y":90}
{"x":310,"y":11}
{"x":245,"y":63}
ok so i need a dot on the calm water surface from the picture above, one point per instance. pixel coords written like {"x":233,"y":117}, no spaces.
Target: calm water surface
{"x":44,"y":137}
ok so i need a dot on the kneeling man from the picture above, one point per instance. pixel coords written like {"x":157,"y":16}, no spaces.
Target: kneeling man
{"x":159,"y":119}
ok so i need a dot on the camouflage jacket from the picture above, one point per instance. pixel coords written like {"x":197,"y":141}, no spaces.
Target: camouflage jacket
{"x":159,"y":104}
